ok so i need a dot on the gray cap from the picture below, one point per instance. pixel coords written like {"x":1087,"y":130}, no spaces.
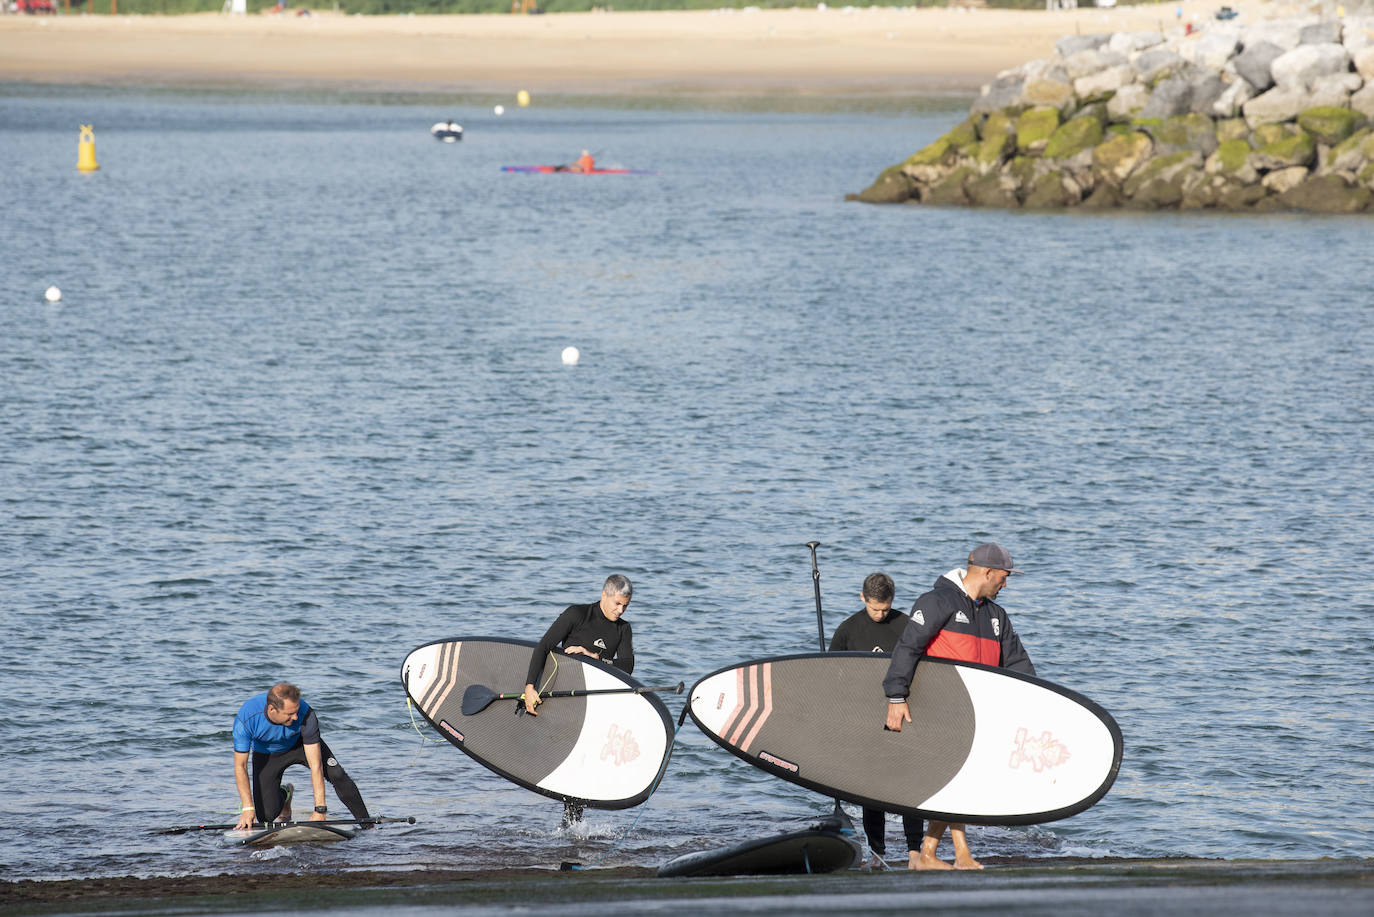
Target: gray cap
{"x":991,"y":555}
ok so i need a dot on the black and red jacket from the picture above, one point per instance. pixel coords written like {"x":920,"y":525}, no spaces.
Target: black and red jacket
{"x":946,"y":623}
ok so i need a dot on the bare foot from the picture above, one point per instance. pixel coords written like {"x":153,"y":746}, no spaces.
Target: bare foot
{"x":926,"y":861}
{"x":966,"y":862}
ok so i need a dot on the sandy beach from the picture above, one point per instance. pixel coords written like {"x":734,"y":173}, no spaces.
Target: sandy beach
{"x":801,"y":51}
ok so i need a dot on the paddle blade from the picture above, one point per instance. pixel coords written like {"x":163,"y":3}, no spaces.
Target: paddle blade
{"x":477,"y":698}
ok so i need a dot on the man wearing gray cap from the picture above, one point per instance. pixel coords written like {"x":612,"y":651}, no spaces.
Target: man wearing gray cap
{"x":957,"y":619}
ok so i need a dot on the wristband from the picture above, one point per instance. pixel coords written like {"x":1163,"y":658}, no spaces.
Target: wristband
{"x":247,"y":809}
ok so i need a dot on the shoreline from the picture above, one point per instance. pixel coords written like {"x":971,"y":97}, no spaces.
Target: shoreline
{"x":1064,"y":885}
{"x":867,"y":52}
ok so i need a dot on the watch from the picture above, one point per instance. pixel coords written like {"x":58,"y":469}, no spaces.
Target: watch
{"x":322,"y":809}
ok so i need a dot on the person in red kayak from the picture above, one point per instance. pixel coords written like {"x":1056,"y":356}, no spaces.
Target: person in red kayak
{"x":583,"y":163}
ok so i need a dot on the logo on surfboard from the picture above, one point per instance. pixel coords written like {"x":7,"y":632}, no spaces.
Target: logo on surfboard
{"x":1042,"y":753}
{"x":778,"y":762}
{"x":621,"y":747}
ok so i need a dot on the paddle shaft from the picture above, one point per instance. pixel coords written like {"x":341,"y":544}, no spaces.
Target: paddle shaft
{"x":380,"y":820}
{"x":676,"y":689}
{"x":816,"y":581}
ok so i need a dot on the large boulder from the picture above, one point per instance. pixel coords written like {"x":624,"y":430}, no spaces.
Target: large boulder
{"x":1207,"y":88}
{"x":1000,"y":93}
{"x":1051,"y":191}
{"x":1231,"y":161}
{"x":1328,"y":31}
{"x":1212,"y":50}
{"x":1297,"y":150}
{"x":991,"y":190}
{"x":1351,"y":154}
{"x":1171,"y":97}
{"x":1286,"y":33}
{"x":1334,"y":89}
{"x":949,"y":191}
{"x":1185,"y":132}
{"x":1070,"y":45}
{"x":892,"y":187}
{"x":1232,"y":98}
{"x":998,"y":141}
{"x":1073,"y":137}
{"x":1046,"y":91}
{"x":1326,"y":194}
{"x":1363,"y":59}
{"x":1103,"y":83}
{"x":1363,"y":101}
{"x":1280,"y":180}
{"x":1133,"y":42}
{"x":1033,"y":129}
{"x":1330,"y":125}
{"x":1128,"y":102}
{"x":1158,"y":63}
{"x":1277,"y":104}
{"x":1115,"y":159}
{"x":1088,"y":62}
{"x":1298,"y":70}
{"x":1255,"y":61}
{"x":1166,"y":172}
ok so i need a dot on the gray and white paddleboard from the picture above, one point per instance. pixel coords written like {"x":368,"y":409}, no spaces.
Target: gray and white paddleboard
{"x":294,"y":833}
{"x":605,"y":751}
{"x":986,"y":746}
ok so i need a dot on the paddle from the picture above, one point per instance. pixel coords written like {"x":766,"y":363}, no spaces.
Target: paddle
{"x":840,"y":815}
{"x":478,"y":697}
{"x":379,"y":820}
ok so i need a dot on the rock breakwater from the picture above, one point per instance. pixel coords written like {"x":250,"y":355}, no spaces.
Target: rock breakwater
{"x":1271,"y":115}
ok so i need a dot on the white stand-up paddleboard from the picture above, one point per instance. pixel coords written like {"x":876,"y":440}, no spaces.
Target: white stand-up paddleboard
{"x":293,"y":833}
{"x":986,"y":746}
{"x":606,"y":751}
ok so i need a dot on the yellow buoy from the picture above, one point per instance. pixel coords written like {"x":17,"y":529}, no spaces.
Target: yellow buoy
{"x":85,"y":150}
{"x":523,"y":98}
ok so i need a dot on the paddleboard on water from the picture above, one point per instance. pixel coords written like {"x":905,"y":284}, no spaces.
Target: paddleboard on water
{"x":294,"y":833}
{"x":818,"y":849}
{"x":564,"y":170}
{"x":604,"y":751}
{"x":986,"y":746}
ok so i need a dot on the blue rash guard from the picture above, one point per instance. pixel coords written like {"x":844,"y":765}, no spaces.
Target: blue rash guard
{"x":253,"y":731}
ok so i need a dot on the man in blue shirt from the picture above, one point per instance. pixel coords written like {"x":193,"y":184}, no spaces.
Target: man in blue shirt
{"x":280,"y":730}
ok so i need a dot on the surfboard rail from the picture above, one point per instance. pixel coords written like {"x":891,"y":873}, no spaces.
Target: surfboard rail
{"x":987,"y":745}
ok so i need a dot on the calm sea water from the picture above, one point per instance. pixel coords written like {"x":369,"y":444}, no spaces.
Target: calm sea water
{"x":301,"y":409}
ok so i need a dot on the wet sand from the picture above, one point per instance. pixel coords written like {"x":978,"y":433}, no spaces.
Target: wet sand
{"x":1063,"y":886}
{"x":863,"y":51}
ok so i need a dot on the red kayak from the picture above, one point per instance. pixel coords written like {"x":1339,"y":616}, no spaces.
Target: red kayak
{"x":568,"y":171}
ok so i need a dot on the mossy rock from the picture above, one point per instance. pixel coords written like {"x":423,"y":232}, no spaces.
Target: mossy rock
{"x":891,"y":187}
{"x":1232,"y":129}
{"x":950,"y":191}
{"x":1148,"y":125}
{"x":940,"y":152}
{"x":1095,"y":110}
{"x":1022,"y":171}
{"x":1327,"y":194}
{"x":1119,"y":130}
{"x":1241,"y":197}
{"x":1232,"y":155}
{"x":963,"y":136}
{"x":1104,"y":197}
{"x":1366,"y":176}
{"x":1072,"y":137}
{"x":1266,"y":134}
{"x":998,"y":124}
{"x":987,"y":191}
{"x":1116,"y":158}
{"x":1330,"y":125}
{"x":1299,"y":149}
{"x":1033,"y":129}
{"x":1048,"y":192}
{"x":1187,"y":132}
{"x":1160,"y":170}
{"x":1352,"y":144}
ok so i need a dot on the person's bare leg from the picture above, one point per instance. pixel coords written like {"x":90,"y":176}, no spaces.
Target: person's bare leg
{"x":926,"y":858}
{"x":963,"y":857}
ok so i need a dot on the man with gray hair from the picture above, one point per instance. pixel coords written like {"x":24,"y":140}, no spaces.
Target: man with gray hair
{"x":596,"y":630}
{"x":957,"y":619}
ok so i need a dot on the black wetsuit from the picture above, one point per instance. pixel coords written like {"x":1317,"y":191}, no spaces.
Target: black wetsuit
{"x":860,"y":633}
{"x":585,"y":626}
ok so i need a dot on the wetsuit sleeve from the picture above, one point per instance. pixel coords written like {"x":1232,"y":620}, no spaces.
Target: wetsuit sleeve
{"x":1014,"y":655}
{"x":625,"y":652}
{"x":556,"y":634}
{"x":243,"y":742}
{"x":910,"y":646}
{"x":310,"y":729}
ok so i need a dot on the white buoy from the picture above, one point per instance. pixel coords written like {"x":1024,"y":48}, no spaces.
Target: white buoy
{"x":571,"y":356}
{"x":499,"y":110}
{"x":53,"y":294}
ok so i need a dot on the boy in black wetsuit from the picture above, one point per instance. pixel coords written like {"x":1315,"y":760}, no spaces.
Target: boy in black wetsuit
{"x":876,"y":629}
{"x":595,"y":630}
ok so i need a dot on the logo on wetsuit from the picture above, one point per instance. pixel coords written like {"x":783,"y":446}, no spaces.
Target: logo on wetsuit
{"x":620,"y":746}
